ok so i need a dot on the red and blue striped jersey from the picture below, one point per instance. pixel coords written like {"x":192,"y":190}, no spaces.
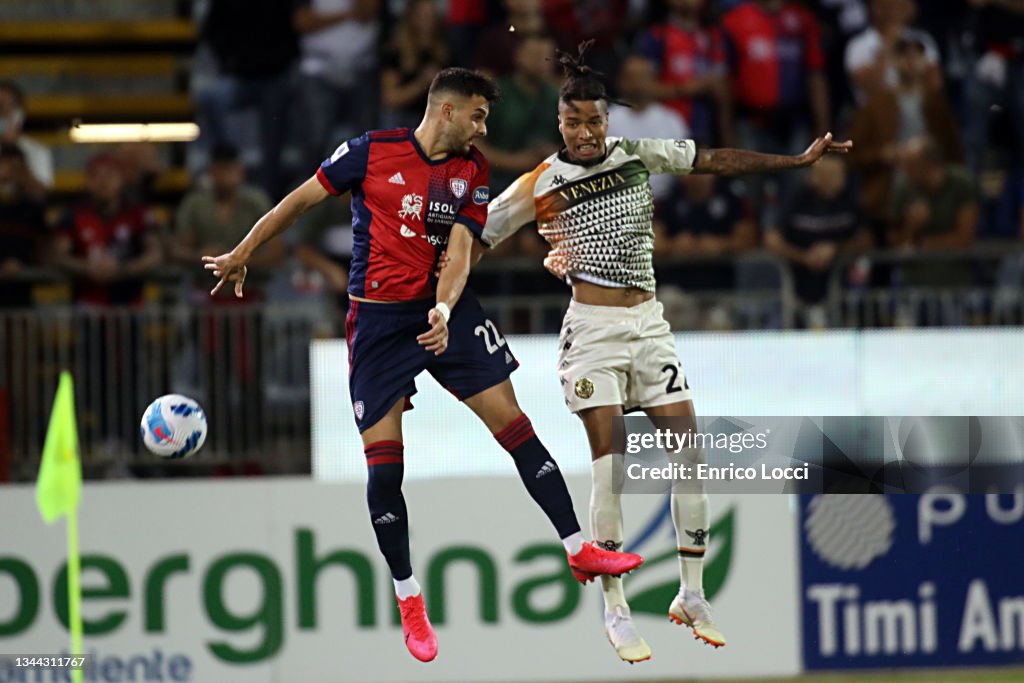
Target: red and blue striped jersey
{"x":403,"y":209}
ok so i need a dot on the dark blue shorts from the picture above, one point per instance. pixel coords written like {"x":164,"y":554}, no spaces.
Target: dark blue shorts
{"x":384,"y":357}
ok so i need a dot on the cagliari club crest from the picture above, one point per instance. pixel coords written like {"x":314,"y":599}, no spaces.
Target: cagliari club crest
{"x":459,"y":187}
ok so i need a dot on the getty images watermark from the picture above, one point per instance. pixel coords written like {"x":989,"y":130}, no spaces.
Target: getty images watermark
{"x":819,"y":454}
{"x":689,"y":446}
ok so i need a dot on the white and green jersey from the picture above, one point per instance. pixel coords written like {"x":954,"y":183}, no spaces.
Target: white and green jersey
{"x":598,"y":219}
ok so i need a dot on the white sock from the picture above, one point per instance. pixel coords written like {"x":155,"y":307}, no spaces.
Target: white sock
{"x":691,"y":519}
{"x":606,"y":518}
{"x":574,"y":543}
{"x":694,"y":572}
{"x":407,"y":588}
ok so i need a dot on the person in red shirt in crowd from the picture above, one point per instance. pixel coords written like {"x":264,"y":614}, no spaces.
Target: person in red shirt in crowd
{"x":464,"y":21}
{"x":107,"y":243}
{"x":692,"y":72}
{"x":778,"y":81}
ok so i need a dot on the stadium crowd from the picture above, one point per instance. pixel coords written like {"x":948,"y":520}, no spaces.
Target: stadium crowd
{"x":933,"y":101}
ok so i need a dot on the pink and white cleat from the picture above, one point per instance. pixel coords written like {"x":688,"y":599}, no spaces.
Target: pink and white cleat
{"x":419,"y":634}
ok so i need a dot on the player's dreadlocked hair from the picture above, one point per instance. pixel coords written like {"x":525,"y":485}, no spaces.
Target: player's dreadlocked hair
{"x":581,"y":82}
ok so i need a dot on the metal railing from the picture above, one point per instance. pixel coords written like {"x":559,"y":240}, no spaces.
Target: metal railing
{"x":761,"y":296}
{"x":983,"y":285}
{"x":248,"y":365}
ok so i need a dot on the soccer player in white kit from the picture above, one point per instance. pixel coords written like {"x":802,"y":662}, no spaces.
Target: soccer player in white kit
{"x":592,"y":202}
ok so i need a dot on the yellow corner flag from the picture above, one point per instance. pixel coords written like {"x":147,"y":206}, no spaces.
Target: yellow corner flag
{"x":58,"y":491}
{"x":59,"y":486}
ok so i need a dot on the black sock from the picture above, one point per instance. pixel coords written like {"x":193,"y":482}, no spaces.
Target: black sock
{"x":540,"y":474}
{"x":387,"y":505}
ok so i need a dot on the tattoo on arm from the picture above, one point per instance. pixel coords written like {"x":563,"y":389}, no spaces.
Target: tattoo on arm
{"x":726,"y":161}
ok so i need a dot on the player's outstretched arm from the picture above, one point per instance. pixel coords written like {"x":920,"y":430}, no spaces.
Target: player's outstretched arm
{"x":230,"y":267}
{"x":725,"y":161}
{"x":449,"y":288}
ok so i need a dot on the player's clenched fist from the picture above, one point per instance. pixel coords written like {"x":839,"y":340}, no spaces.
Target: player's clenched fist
{"x":436,"y":338}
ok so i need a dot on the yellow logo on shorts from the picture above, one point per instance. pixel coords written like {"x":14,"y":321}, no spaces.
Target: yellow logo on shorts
{"x":584,"y":388}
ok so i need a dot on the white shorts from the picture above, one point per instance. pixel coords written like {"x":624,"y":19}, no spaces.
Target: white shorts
{"x":609,"y":355}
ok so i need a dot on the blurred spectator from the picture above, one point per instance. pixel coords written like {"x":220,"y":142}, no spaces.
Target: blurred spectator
{"x":523,"y":129}
{"x":994,"y":45}
{"x":889,"y":118}
{"x":324,"y":248}
{"x":141,"y":164}
{"x":37,"y":156}
{"x":213,"y":219}
{"x":256,"y":46}
{"x":779,"y":86}
{"x":496,"y":49}
{"x":339,"y":81}
{"x":840,"y":20}
{"x":870,"y":55}
{"x":464,"y":23}
{"x":417,"y":51}
{"x":692,"y":70}
{"x":605,"y":22}
{"x":22,"y":226}
{"x":705,"y":217}
{"x":934,"y":205}
{"x":645,"y":117}
{"x":108,"y":244}
{"x":820,"y":221}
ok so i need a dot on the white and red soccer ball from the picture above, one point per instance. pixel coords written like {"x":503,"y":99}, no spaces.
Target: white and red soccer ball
{"x":174,"y":426}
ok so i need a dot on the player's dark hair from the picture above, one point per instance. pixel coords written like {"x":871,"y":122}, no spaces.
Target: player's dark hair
{"x":465,"y":82}
{"x":581,"y":82}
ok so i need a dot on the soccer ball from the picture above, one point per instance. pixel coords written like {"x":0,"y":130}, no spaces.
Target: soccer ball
{"x":174,"y":426}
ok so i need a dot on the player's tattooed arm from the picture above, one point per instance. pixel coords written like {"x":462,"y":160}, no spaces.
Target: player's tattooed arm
{"x":725,"y":161}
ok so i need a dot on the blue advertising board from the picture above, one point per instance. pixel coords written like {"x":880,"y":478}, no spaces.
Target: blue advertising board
{"x":932,"y":580}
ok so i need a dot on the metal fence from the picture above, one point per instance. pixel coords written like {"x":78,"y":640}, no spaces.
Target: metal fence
{"x":526,"y":299}
{"x":983,"y":285}
{"x":247,"y":365}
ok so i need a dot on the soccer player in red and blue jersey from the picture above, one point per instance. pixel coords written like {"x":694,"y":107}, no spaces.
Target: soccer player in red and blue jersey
{"x":413,"y":192}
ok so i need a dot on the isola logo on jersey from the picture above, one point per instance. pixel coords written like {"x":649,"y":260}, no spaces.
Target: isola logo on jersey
{"x":441,"y":213}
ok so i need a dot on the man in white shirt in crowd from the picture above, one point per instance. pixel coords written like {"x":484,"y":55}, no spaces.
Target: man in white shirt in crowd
{"x":38,"y":157}
{"x":645,"y":117}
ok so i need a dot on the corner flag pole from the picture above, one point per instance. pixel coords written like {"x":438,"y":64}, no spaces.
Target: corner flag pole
{"x":74,"y":592}
{"x":58,"y":492}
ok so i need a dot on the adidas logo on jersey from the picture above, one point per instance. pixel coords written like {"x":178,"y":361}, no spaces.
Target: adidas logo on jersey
{"x":397,"y":179}
{"x":389,"y":518}
{"x":548,"y":468}
{"x":406,"y":231}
